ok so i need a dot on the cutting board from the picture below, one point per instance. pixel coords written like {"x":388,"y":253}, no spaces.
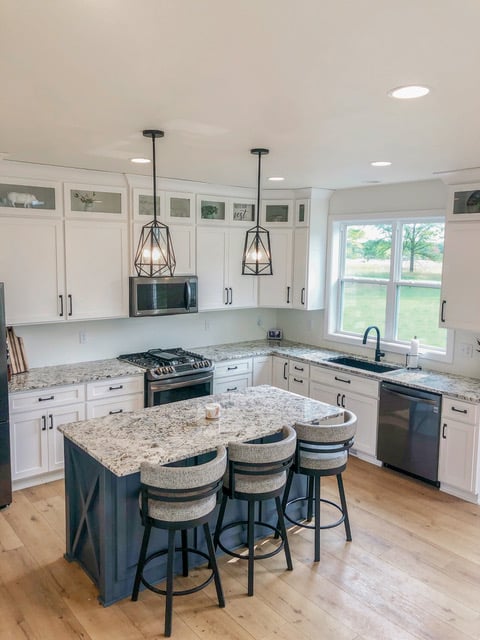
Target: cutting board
{"x":16,"y":350}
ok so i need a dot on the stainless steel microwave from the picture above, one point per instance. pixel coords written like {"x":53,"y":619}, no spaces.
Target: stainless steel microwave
{"x":163,"y":296}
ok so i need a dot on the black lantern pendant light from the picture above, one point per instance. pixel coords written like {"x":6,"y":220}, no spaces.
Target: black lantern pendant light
{"x":155,"y":255}
{"x":257,"y":254}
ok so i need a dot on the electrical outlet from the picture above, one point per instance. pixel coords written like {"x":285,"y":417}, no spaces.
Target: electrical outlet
{"x":259,"y":321}
{"x":82,"y":337}
{"x":310,"y":324}
{"x":466,"y":349}
{"x":207,"y":325}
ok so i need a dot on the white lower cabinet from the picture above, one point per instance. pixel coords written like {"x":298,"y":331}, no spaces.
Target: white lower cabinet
{"x":459,"y":441}
{"x":115,"y":395}
{"x":280,"y":372}
{"x":355,"y":393}
{"x":36,"y":444}
{"x":232,"y":375}
{"x":298,"y":377}
{"x":262,"y":370}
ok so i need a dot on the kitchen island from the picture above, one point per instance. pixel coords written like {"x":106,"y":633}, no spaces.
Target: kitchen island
{"x":102,"y":471}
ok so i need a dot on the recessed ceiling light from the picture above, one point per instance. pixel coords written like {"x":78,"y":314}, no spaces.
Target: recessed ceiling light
{"x":276,"y":179}
{"x":371,"y":182}
{"x":140,"y":160}
{"x":409,"y":91}
{"x":380,"y":163}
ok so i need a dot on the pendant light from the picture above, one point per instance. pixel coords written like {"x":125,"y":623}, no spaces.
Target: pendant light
{"x":155,"y":255}
{"x":257,"y":254}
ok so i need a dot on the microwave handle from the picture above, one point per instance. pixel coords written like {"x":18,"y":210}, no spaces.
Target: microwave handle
{"x":187,"y":295}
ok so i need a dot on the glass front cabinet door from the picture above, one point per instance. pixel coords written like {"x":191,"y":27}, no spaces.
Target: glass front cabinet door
{"x":464,"y":202}
{"x":277,"y":213}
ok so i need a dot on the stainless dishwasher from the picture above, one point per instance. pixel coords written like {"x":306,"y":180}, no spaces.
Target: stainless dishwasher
{"x":409,"y":430}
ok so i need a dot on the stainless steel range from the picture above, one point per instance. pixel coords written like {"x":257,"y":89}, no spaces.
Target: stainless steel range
{"x":173,"y":374}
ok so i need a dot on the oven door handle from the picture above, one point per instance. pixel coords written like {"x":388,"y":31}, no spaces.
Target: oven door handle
{"x":409,"y":397}
{"x":165,"y":386}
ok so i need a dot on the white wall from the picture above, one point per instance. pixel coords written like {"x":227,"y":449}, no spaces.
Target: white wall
{"x":59,"y":343}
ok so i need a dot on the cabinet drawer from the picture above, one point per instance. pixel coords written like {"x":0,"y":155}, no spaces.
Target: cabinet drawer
{"x":343,"y":380}
{"x":298,"y":384}
{"x":233,"y":368}
{"x":298,"y":369}
{"x":45,"y":398}
{"x":114,"y":387}
{"x":99,"y":408}
{"x":459,"y":410}
{"x":236,"y":383}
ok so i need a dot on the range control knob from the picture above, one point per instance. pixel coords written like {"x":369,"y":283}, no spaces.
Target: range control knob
{"x":195,"y":365}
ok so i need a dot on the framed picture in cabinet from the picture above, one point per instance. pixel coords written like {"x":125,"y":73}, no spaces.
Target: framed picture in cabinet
{"x":179,"y":208}
{"x":464,"y":202}
{"x":142,"y":205}
{"x":211,"y":209}
{"x":244,"y":211}
{"x":95,"y":201}
{"x":29,"y":197}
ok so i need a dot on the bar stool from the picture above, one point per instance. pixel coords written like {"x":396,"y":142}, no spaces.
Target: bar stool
{"x":178,"y":499}
{"x":322,"y":450}
{"x":257,"y":472}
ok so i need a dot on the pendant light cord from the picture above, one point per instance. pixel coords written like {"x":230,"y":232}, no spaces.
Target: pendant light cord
{"x":258,"y":189}
{"x":154,"y":181}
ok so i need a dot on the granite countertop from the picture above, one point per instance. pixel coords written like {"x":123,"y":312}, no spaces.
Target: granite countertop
{"x":43,"y":377}
{"x":176,"y":431}
{"x":59,"y":375}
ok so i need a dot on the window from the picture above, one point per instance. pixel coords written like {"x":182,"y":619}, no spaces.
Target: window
{"x":389,"y":274}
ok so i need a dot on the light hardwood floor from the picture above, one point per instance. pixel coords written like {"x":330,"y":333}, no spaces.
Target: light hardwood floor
{"x":411,"y":572}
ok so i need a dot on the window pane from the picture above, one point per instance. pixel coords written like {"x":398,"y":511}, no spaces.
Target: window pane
{"x":363,"y":304}
{"x":418,"y":316}
{"x":422,"y":251}
{"x":367,"y":251}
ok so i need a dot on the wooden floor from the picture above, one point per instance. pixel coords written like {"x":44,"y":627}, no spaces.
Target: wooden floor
{"x":411,"y":571}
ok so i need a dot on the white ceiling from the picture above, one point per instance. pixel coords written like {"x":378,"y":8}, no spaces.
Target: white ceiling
{"x":306,"y":78}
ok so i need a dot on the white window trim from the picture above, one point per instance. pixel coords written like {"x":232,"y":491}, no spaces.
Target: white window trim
{"x":333,"y":299}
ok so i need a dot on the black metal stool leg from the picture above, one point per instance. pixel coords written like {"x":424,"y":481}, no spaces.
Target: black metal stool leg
{"x":169,"y":590}
{"x":141,"y":561}
{"x":251,"y":544}
{"x":343,"y":500}
{"x":184,"y":552}
{"x":317,"y":518}
{"x":310,"y":498}
{"x":283,"y":531}
{"x":213,"y":565}
{"x":221,"y":515}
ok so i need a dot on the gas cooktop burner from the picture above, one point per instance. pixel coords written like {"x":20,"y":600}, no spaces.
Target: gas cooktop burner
{"x":170,"y":363}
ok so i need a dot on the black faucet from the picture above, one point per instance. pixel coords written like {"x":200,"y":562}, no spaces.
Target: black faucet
{"x":378,"y":354}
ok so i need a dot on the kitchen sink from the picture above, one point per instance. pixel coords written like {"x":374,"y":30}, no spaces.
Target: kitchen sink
{"x":366,"y":365}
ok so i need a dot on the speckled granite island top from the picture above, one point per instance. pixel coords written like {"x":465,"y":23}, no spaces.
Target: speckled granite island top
{"x":180,"y":430}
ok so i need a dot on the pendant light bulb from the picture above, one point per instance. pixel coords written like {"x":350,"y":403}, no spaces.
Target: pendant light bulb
{"x":257,"y":254}
{"x":155,"y":255}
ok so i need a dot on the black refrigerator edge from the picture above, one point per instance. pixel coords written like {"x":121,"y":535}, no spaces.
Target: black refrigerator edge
{"x":5,"y":471}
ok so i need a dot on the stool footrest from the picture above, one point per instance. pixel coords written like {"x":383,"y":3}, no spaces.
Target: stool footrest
{"x":312,"y":526}
{"x":259,"y":556}
{"x":182,"y":592}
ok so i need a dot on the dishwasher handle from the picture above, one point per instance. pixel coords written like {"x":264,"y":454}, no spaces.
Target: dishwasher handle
{"x":411,"y":397}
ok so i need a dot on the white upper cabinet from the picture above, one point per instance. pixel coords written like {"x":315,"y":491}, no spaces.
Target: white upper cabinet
{"x":276,"y":290}
{"x":276,"y":213}
{"x":219,"y":266}
{"x":243,"y":212}
{"x":460,"y":301}
{"x":302,"y":213}
{"x":212,"y":209}
{"x":101,"y":202}
{"x":179,"y":208}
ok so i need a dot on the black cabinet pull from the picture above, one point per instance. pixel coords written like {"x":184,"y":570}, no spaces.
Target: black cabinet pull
{"x":44,"y":423}
{"x":285,"y":365}
{"x":45,"y":399}
{"x":338,"y":400}
{"x":459,"y":410}
{"x":343,"y":401}
{"x":50,"y":417}
{"x":61,"y":305}
{"x":119,"y":386}
{"x":442,"y":314}
{"x":231,"y":295}
{"x":232,"y":368}
{"x":226,"y":295}
{"x":443,"y":431}
{"x":302,"y":297}
{"x":342,"y":380}
{"x":298,"y":368}
{"x":70,"y":304}
{"x":288,"y":295}
{"x":114,"y":412}
{"x":297,"y":380}
{"x":232,"y":389}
